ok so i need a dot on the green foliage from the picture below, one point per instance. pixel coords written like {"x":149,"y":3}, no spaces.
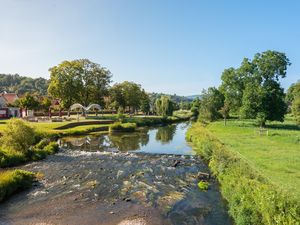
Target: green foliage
{"x":203,"y":185}
{"x":252,"y":199}
{"x":254,"y":87}
{"x":183,"y":114}
{"x":145,"y":103}
{"x":14,"y":180}
{"x":17,"y":136}
{"x":211,"y":103}
{"x":121,"y":114}
{"x":122,"y":127}
{"x":21,"y":85}
{"x":79,"y":81}
{"x":11,"y":158}
{"x":129,"y":94}
{"x":165,"y":134}
{"x":29,"y":101}
{"x":296,"y":108}
{"x":43,"y":148}
{"x":261,"y":119}
{"x":195,"y":106}
{"x":164,"y":106}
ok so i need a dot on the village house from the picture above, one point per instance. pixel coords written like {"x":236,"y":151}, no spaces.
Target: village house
{"x":6,"y":102}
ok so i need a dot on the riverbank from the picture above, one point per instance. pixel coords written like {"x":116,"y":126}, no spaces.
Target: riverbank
{"x":251,"y":197}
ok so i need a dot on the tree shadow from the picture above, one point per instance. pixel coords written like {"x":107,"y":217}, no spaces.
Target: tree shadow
{"x":284,"y":126}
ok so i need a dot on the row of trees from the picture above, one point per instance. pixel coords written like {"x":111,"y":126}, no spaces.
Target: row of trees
{"x":250,"y":91}
{"x":82,"y":81}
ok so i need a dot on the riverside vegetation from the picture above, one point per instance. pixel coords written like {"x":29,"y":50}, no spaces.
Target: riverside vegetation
{"x":19,"y":144}
{"x":259,"y":190}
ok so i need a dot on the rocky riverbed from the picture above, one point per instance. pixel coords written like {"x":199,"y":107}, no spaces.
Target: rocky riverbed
{"x":79,"y":187}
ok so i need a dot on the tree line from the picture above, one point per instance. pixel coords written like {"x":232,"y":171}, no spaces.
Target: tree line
{"x":15,"y":83}
{"x":85,"y":82}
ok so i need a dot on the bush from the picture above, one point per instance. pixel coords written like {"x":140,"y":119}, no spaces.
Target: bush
{"x":44,"y":148}
{"x":39,"y":151}
{"x":122,"y":127}
{"x":11,"y":158}
{"x":17,"y":136}
{"x":251,"y":198}
{"x":14,"y":180}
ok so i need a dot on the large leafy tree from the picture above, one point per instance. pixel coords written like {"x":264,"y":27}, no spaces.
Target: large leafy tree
{"x":255,"y":88}
{"x":79,"y":81}
{"x":164,"y":106}
{"x":127,"y":94}
{"x":212,"y":100}
{"x":28,"y":101}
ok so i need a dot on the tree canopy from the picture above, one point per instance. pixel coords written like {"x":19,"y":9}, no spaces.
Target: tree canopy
{"x":255,"y":88}
{"x":79,"y":81}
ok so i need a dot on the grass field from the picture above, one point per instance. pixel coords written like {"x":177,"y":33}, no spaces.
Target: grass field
{"x":276,"y":155}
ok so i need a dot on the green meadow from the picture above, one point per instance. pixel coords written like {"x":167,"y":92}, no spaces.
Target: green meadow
{"x":274,"y":153}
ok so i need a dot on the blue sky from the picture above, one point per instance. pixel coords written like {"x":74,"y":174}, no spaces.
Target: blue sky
{"x":167,"y":46}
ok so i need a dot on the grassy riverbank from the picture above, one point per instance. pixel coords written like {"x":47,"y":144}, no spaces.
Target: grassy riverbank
{"x":12,"y":181}
{"x":236,"y":155}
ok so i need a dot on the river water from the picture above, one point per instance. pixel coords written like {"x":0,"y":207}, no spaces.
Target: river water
{"x":146,"y":177}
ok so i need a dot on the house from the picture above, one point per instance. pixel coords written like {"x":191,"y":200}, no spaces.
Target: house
{"x":6,"y":102}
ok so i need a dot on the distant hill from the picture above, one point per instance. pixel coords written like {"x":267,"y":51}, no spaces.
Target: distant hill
{"x":192,"y":97}
{"x":14,"y":83}
{"x":174,"y":98}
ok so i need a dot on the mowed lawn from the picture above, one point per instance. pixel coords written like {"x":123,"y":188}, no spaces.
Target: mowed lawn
{"x":276,"y":155}
{"x":50,"y":127}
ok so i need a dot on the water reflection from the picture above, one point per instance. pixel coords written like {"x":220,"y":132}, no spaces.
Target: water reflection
{"x":168,"y":139}
{"x":165,"y":134}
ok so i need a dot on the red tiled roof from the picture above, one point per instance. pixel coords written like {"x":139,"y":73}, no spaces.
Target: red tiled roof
{"x":10,"y":97}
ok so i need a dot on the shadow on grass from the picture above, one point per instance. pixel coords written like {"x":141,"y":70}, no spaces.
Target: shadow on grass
{"x":284,"y":126}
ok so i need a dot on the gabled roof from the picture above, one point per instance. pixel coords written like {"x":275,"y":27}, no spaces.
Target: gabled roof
{"x":9,"y":97}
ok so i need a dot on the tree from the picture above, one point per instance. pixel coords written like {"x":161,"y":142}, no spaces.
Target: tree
{"x":45,"y":104}
{"x":254,"y":87}
{"x":145,"y":102}
{"x":195,"y":107}
{"x":127,"y":94}
{"x":17,"y":136}
{"x":164,"y":106}
{"x":79,"y":81}
{"x":225,"y":111}
{"x":292,"y":93}
{"x":212,"y":101}
{"x":296,"y":108}
{"x":20,"y":85}
{"x":28,"y":102}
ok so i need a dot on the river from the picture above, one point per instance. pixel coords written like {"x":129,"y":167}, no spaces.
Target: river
{"x":146,"y":177}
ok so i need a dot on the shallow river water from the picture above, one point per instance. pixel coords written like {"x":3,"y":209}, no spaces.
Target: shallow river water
{"x":146,"y":177}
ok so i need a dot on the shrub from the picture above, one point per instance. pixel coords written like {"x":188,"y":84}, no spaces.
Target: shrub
{"x":122,"y":127}
{"x":44,"y":148}
{"x":18,"y":136}
{"x":11,"y":158}
{"x":14,"y":180}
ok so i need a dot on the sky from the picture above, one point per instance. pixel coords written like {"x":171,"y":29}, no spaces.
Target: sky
{"x":166,"y":46}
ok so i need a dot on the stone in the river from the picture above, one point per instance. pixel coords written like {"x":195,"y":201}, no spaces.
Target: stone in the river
{"x":119,"y":173}
{"x":203,"y":176}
